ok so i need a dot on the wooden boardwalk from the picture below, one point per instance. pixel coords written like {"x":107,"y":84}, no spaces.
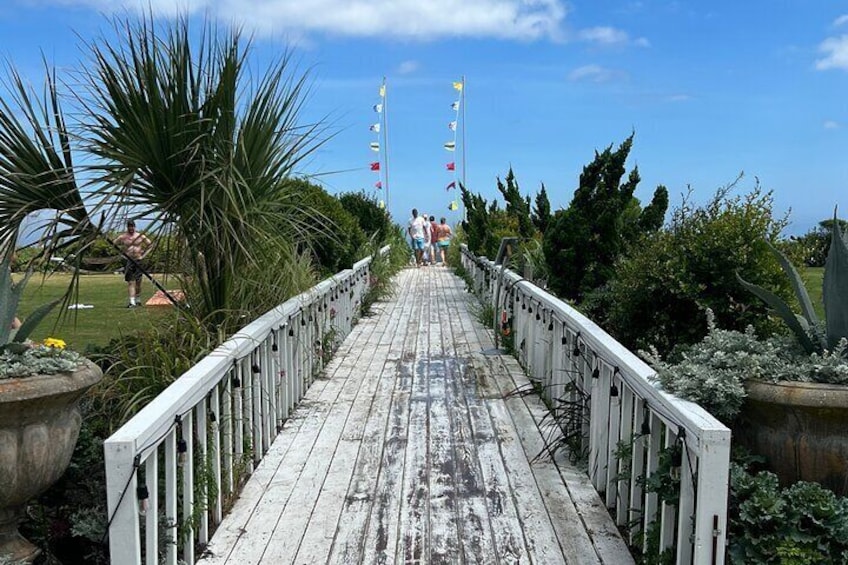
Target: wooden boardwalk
{"x":411,"y":450}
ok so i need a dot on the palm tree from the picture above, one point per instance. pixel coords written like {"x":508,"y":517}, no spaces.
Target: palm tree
{"x":184,"y":137}
{"x":37,"y":173}
{"x":176,"y":131}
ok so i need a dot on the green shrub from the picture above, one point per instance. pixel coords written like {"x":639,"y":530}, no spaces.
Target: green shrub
{"x":583,"y":242}
{"x":339,"y":242}
{"x":373,"y":220}
{"x":663,"y":287}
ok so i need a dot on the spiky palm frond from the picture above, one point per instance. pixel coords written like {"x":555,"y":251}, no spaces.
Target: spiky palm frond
{"x":185,"y":138}
{"x":37,"y":174}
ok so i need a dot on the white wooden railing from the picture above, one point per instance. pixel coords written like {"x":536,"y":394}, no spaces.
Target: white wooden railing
{"x":577,"y":364}
{"x":171,"y":469}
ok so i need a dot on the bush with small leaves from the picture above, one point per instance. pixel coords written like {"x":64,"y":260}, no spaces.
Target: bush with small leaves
{"x":661,"y":290}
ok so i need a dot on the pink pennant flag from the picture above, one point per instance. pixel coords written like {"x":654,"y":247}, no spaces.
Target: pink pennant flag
{"x":451,"y":166}
{"x":378,"y":184}
{"x":375,"y":166}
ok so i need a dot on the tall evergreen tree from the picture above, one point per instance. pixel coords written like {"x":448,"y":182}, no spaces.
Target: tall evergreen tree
{"x":653,"y":215}
{"x":542,"y":212}
{"x":583,"y":241}
{"x":476,"y":223}
{"x":517,"y":206}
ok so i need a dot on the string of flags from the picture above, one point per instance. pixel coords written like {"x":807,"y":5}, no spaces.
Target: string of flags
{"x":450,"y":146}
{"x":375,"y":146}
{"x":380,"y":142}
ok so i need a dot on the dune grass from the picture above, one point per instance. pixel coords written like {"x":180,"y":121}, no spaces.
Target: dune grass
{"x":95,"y":326}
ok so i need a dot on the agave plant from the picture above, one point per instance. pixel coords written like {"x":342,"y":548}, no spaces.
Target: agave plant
{"x":12,"y":340}
{"x":811,"y":335}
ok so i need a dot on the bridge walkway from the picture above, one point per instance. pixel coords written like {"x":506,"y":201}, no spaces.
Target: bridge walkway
{"x":415,"y":446}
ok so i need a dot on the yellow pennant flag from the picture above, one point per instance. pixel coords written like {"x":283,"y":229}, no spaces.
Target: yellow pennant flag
{"x":382,"y":91}
{"x":458,"y":86}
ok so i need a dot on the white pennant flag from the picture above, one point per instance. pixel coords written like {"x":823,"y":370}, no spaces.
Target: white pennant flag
{"x":452,"y":125}
{"x":375,"y":128}
{"x":375,"y":146}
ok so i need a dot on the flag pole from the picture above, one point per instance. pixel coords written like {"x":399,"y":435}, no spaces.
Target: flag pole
{"x":386,"y":137}
{"x":462,"y":107}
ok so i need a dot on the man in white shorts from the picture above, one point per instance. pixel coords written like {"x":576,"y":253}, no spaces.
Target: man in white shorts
{"x":418,"y":227}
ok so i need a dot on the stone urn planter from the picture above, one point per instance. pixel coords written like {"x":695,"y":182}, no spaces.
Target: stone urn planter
{"x":801,"y":429}
{"x":39,"y":425}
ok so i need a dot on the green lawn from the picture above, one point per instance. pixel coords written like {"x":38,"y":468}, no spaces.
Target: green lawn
{"x":813,"y":281}
{"x":109,"y":318}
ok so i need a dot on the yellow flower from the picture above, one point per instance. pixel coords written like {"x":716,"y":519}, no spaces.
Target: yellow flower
{"x":53,"y":342}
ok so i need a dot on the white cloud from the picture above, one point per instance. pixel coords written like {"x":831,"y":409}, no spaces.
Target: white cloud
{"x":831,"y":124}
{"x":841,"y":20}
{"x":594,"y":73}
{"x":409,"y":19}
{"x":606,"y":35}
{"x":407,"y":67}
{"x":836,"y":53}
{"x":678,"y":98}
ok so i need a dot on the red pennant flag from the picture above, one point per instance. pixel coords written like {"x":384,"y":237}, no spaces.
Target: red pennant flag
{"x":378,"y":184}
{"x":451,"y":185}
{"x":451,"y":166}
{"x":375,"y":166}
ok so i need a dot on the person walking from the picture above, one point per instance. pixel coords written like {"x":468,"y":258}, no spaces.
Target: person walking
{"x":434,"y":230}
{"x":416,"y":231}
{"x":135,"y":245}
{"x":443,"y":237}
{"x":428,"y":238}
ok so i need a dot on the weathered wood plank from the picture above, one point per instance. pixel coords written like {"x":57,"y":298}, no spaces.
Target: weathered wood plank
{"x":409,"y":452}
{"x":348,"y":545}
{"x":299,"y":509}
{"x":249,"y":528}
{"x":382,"y":535}
{"x":414,"y":524}
{"x":475,"y":527}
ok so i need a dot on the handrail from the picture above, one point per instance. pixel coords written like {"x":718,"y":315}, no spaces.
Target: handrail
{"x":213,"y":424}
{"x":575,"y":362}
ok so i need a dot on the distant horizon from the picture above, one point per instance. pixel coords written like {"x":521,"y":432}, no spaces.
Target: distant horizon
{"x":709,"y":90}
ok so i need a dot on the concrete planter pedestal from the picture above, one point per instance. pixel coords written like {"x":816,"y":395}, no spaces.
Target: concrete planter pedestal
{"x":800,"y":428}
{"x":39,"y":425}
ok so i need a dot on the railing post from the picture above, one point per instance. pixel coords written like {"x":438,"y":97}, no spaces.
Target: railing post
{"x":711,"y":512}
{"x":121,"y":502}
{"x":621,"y":399}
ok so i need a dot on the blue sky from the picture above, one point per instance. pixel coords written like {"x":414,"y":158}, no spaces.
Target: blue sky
{"x":710,"y":89}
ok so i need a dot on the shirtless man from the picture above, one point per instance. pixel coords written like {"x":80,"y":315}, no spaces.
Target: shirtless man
{"x":136,"y":245}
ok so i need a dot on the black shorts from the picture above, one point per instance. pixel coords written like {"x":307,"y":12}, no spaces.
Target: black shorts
{"x":132,"y":272}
